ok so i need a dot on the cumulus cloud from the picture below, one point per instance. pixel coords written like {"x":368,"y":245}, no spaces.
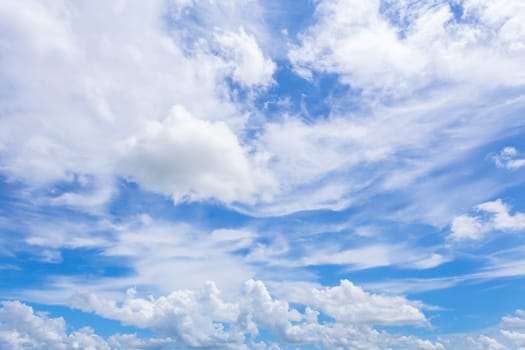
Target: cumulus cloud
{"x":517,"y":321}
{"x":466,"y":227}
{"x":22,"y":328}
{"x":205,"y":318}
{"x":193,"y":159}
{"x":513,"y":328}
{"x":351,"y":304}
{"x":509,"y":158}
{"x":483,"y":342}
{"x":248,"y":64}
{"x":81,"y":95}
{"x":370,"y":44}
{"x":498,"y":217}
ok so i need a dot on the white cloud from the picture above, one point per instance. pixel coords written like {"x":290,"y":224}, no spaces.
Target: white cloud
{"x":467,"y":227}
{"x":517,"y":321}
{"x":509,"y":158}
{"x":502,"y":219}
{"x":75,"y":98}
{"x":483,"y":342}
{"x":23,"y":329}
{"x":517,"y":338}
{"x":205,"y":318}
{"x":66,"y":234}
{"x":349,"y":303}
{"x":513,"y":328}
{"x":347,"y":157}
{"x":121,"y":83}
{"x":395,"y":48}
{"x":249,"y":66}
{"x":156,"y":249}
{"x":193,"y":159}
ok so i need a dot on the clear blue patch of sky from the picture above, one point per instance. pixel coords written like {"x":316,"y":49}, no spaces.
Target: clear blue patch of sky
{"x":310,"y":99}
{"x":473,"y":306}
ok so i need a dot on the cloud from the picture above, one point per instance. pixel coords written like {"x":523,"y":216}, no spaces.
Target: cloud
{"x":22,"y":328}
{"x":249,"y":66}
{"x":154,"y":249}
{"x":467,"y":227}
{"x":509,"y":158}
{"x":349,"y":303}
{"x":369,"y":44}
{"x":186,"y":54}
{"x":283,"y":253}
{"x":205,"y":318}
{"x":484,"y":342}
{"x":513,"y":328}
{"x":80,"y":96}
{"x":193,"y":159}
{"x":517,"y":321}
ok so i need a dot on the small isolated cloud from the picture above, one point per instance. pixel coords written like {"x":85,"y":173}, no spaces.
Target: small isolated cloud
{"x":496,"y":217}
{"x":509,"y":158}
{"x":467,"y":227}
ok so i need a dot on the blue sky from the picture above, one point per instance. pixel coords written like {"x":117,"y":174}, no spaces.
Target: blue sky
{"x":245,"y":174}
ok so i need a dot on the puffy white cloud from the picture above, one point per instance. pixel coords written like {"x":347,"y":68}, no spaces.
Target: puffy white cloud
{"x":505,"y":18}
{"x":502,"y":219}
{"x":248,"y":64}
{"x":465,"y":227}
{"x":349,"y":303}
{"x":395,"y":48}
{"x":23,"y":329}
{"x":517,"y":338}
{"x":483,"y":342}
{"x":205,"y":318}
{"x":513,"y":328}
{"x":517,"y":321}
{"x":193,"y":159}
{"x":509,"y":158}
{"x":75,"y":98}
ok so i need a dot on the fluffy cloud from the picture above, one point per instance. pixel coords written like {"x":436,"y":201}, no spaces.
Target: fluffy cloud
{"x":395,"y":48}
{"x":499,"y":218}
{"x":513,"y":328}
{"x":81,"y":95}
{"x":204,"y":318}
{"x":467,"y":227}
{"x":349,"y":303}
{"x":248,"y":64}
{"x":517,"y":321}
{"x":509,"y":158}
{"x":193,"y":159}
{"x":22,"y":328}
{"x":484,"y":342}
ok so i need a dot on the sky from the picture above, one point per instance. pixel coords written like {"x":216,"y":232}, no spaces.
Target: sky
{"x":262,"y":174}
